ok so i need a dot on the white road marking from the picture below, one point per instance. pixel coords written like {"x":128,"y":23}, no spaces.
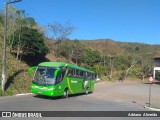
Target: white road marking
{"x":154,"y":109}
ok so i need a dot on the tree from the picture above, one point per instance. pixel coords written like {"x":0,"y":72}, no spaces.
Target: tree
{"x":99,"y":70}
{"x":133,"y":63}
{"x":32,"y":42}
{"x":145,"y":67}
{"x":60,"y":31}
{"x":72,"y":50}
{"x":144,"y":71}
{"x":30,"y":21}
{"x":91,"y":57}
{"x":1,"y":25}
{"x":78,"y":51}
{"x":16,"y":20}
{"x":111,"y":64}
{"x":121,"y":62}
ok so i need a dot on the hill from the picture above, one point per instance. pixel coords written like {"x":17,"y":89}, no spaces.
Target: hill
{"x":115,"y":47}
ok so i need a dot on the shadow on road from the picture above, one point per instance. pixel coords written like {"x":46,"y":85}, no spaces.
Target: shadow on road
{"x":157,"y":83}
{"x":57,"y":98}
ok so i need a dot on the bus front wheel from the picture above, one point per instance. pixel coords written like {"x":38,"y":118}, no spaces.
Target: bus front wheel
{"x":65,"y":94}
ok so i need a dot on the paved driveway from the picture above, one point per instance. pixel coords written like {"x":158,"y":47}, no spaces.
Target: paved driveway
{"x":134,"y":93}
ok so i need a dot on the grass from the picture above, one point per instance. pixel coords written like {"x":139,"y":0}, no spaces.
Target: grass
{"x":156,"y":107}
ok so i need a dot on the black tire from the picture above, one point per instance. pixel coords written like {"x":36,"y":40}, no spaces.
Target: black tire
{"x":86,"y":92}
{"x":65,"y":93}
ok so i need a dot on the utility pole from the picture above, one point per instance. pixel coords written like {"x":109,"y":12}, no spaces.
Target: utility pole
{"x":4,"y":44}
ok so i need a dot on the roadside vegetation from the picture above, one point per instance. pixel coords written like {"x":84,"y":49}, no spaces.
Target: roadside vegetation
{"x":27,"y":46}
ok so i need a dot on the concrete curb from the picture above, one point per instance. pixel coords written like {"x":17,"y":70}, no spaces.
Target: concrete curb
{"x":151,"y":108}
{"x":24,"y":94}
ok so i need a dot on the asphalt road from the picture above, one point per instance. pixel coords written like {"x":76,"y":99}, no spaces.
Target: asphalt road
{"x":106,"y":97}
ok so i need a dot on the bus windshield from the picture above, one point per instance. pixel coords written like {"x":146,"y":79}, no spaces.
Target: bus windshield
{"x":44,"y":76}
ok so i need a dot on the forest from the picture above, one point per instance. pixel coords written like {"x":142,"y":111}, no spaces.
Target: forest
{"x":28,"y":45}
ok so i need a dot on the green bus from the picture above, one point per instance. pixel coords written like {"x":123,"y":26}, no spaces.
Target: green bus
{"x":62,"y":79}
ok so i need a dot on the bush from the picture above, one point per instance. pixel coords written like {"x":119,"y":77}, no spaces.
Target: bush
{"x":1,"y":92}
{"x":121,"y":77}
{"x":9,"y":92}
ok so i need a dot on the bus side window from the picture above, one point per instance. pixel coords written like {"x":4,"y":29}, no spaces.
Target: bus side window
{"x":93,"y":76}
{"x":70,"y":73}
{"x":81,"y":74}
{"x":85,"y":74}
{"x":89,"y":75}
{"x":60,"y":76}
{"x":74,"y":73}
{"x":77,"y":73}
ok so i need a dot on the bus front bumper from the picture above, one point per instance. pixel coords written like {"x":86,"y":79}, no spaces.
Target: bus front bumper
{"x":43,"y":90}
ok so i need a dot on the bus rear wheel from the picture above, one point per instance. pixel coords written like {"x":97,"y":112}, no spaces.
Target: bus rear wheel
{"x":65,"y":93}
{"x":86,"y":92}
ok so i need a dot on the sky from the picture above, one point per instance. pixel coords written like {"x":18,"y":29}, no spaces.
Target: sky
{"x":119,"y":20}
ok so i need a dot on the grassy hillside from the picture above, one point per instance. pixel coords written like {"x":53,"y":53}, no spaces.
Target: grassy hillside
{"x":17,"y":78}
{"x":108,"y":46}
{"x":114,"y":47}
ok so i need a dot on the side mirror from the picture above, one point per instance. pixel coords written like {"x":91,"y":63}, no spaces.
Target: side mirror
{"x":30,"y":71}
